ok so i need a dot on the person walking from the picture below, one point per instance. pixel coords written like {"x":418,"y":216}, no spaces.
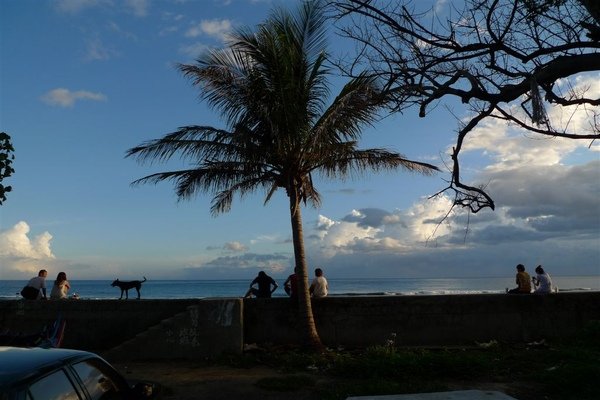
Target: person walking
{"x":264,"y":282}
{"x":36,"y":287}
{"x":319,"y":286}
{"x":523,"y":281}
{"x":61,"y":287}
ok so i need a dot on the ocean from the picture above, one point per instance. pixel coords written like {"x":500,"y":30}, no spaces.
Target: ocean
{"x":181,"y":289}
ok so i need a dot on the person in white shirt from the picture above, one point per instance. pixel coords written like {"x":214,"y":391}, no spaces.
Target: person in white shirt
{"x":542,"y":282}
{"x":36,"y":287}
{"x":319,"y":286}
{"x":60,"y":288}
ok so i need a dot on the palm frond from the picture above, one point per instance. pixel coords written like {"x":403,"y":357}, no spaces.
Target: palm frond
{"x":355,"y":106}
{"x":190,"y":142}
{"x":270,"y":86}
{"x":345,"y":162}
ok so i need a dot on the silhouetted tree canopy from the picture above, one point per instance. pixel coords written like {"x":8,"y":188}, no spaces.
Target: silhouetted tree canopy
{"x":506,"y":59}
{"x":6,"y":159}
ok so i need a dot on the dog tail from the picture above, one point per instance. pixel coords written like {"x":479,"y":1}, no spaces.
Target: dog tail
{"x":144,"y":279}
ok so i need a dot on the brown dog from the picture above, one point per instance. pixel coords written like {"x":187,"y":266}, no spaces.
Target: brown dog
{"x":126,"y":285}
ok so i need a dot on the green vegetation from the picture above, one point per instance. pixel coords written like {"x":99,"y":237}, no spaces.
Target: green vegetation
{"x":537,"y":370}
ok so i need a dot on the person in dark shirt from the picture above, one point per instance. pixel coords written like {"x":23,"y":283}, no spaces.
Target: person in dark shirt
{"x":291,"y":284}
{"x":264,"y":282}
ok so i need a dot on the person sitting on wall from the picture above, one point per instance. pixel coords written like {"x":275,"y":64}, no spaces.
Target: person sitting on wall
{"x":523,"y":281}
{"x":61,"y":287}
{"x":291,"y":284}
{"x":264,"y":282}
{"x":542,"y":282}
{"x":319,"y":286}
{"x":36,"y":287}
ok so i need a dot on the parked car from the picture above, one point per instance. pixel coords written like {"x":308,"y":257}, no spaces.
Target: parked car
{"x":33,"y":373}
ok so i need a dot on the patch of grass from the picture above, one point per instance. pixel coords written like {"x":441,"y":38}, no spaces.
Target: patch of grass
{"x":558,"y":370}
{"x":288,"y":383}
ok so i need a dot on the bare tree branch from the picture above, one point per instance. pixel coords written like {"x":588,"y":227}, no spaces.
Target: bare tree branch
{"x":491,"y":55}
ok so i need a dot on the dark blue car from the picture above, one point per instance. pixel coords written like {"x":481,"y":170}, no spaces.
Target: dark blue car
{"x":52,"y":374}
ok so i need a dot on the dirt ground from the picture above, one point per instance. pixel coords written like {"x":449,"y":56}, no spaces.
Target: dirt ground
{"x":185,"y":380}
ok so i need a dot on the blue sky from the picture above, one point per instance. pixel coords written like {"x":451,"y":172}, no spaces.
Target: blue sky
{"x":81,"y":81}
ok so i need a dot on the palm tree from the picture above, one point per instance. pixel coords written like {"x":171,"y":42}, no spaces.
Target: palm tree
{"x":270,"y":86}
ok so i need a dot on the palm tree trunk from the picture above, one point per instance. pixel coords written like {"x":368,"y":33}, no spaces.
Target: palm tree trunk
{"x":311,"y":337}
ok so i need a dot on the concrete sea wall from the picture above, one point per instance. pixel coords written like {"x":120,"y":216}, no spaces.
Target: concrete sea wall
{"x":194,"y":328}
{"x":426,"y":320}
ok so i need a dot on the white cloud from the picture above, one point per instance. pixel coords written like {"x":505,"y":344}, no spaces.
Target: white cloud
{"x":547,"y":211}
{"x":215,"y":28}
{"x":19,"y":252}
{"x":16,"y":243}
{"x":510,"y":148}
{"x":65,"y":98}
{"x":236,"y":266}
{"x":139,"y":7}
{"x":235,"y":246}
{"x":114,"y":27}
{"x":440,"y":5}
{"x":265,"y":239}
{"x":76,"y":6}
{"x":193,"y":50}
{"x":96,"y":50}
{"x":373,"y":230}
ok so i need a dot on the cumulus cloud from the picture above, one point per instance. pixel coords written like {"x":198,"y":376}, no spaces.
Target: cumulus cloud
{"x":65,"y":98}
{"x":216,"y":28}
{"x":368,"y":217}
{"x":547,"y":212}
{"x":510,"y":147}
{"x":372,"y":230}
{"x":542,"y":211}
{"x":235,"y":246}
{"x":19,"y":252}
{"x":485,"y":244}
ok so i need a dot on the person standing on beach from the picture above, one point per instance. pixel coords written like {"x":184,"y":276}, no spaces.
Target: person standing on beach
{"x":523,"y":281}
{"x":542,"y":282}
{"x":36,"y":287}
{"x":264,"y":282}
{"x":60,"y":288}
{"x":319,"y":286}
